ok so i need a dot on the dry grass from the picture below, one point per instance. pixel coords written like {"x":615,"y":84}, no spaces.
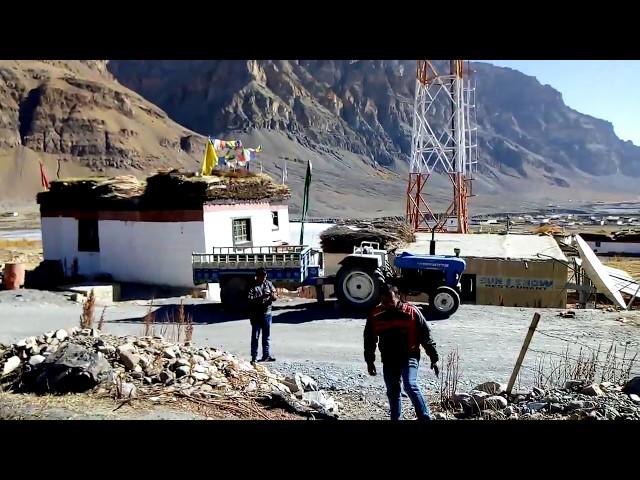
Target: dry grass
{"x":590,"y":365}
{"x":631,"y":265}
{"x":449,"y":379}
{"x":175,"y":327}
{"x":88,"y":311}
{"x":24,"y":251}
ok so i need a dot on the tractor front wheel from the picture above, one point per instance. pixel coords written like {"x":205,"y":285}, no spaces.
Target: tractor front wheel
{"x":443,"y":302}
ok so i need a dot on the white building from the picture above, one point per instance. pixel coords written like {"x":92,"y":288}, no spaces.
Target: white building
{"x":154,"y":246}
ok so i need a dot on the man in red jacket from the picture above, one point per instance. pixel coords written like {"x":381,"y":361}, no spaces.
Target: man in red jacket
{"x":399,"y":329}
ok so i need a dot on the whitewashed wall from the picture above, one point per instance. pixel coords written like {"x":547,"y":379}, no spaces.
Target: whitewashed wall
{"x":218,"y":221}
{"x":615,"y":247}
{"x":156,"y":253}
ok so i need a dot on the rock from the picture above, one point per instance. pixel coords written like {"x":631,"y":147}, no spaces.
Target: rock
{"x":127,"y":390}
{"x":634,"y":398}
{"x":495,"y":402}
{"x":169,"y":353}
{"x":294,"y":383}
{"x":183,"y":362}
{"x":166,"y":377}
{"x":538,"y":392}
{"x":107,"y":349}
{"x":440,"y":416}
{"x":592,"y":390}
{"x":129,"y":360}
{"x":20,"y":344}
{"x":182,"y":371}
{"x":556,"y":408}
{"x":10,"y":365}
{"x":141,"y":344}
{"x":478,"y":397}
{"x":575,"y":405}
{"x":573,"y":384}
{"x":147,"y":380}
{"x":536,"y":406}
{"x":632,"y":386}
{"x":36,"y":359}
{"x":137,"y":375}
{"x":72,"y":368}
{"x":200,"y":376}
{"x":509,"y":411}
{"x":199,"y":359}
{"x":61,"y":335}
{"x":308,"y":383}
{"x":127,"y":347}
{"x":492,"y":388}
{"x":200,"y":369}
{"x":204,"y":354}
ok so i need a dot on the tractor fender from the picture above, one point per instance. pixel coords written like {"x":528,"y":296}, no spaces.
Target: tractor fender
{"x":367,"y":263}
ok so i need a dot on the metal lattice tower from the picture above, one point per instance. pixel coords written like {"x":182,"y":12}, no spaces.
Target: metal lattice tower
{"x":450,"y":149}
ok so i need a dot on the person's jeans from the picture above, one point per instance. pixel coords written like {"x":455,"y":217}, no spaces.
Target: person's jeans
{"x":408,"y":372}
{"x":262,"y":325}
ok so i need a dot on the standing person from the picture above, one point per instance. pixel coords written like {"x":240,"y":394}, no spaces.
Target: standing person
{"x":261,"y":296}
{"x":399,"y":329}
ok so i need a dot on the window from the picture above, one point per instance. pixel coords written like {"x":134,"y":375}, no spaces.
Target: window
{"x":241,"y":231}
{"x":598,"y":244}
{"x":275,"y":221}
{"x":88,"y":238}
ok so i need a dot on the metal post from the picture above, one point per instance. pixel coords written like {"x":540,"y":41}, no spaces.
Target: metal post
{"x":523,"y":351}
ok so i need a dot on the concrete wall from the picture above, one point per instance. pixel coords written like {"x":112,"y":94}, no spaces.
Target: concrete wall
{"x":518,"y":283}
{"x":218,"y":221}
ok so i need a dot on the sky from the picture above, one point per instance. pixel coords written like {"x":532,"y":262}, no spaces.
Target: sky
{"x":606,"y":89}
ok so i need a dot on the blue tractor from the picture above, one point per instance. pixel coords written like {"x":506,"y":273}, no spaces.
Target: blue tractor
{"x":357,"y":283}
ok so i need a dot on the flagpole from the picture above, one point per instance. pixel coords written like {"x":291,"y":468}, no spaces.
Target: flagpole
{"x":305,"y":201}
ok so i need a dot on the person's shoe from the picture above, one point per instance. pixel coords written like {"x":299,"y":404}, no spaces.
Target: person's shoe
{"x":253,"y":361}
{"x":268,"y":359}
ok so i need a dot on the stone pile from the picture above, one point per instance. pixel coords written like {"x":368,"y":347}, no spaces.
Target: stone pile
{"x":151,"y":367}
{"x":577,"y":399}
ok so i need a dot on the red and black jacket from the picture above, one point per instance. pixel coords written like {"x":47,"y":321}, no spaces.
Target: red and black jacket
{"x":399,"y":332}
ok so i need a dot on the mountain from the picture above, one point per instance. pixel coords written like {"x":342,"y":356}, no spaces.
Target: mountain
{"x":352,"y":119}
{"x":77,"y":119}
{"x":530,"y":142}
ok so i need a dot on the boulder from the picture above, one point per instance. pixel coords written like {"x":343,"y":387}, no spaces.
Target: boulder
{"x":294,"y":383}
{"x":72,"y":368}
{"x":592,"y":390}
{"x":166,"y":377}
{"x":308,"y":383}
{"x":573,"y":384}
{"x":10,"y":365}
{"x":61,"y":335}
{"x":492,"y":388}
{"x":536,"y":406}
{"x":495,"y":402}
{"x":36,"y":359}
{"x":182,"y":371}
{"x":635,"y":398}
{"x":127,"y":390}
{"x":129,"y":360}
{"x":575,"y":405}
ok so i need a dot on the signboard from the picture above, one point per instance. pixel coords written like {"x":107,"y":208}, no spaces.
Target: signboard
{"x":519,"y":283}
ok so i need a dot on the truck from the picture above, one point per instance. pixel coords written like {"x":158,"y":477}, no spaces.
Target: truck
{"x":356,"y":283}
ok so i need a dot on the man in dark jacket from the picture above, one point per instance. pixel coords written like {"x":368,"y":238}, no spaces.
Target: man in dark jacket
{"x":399,"y":329}
{"x":261,"y":296}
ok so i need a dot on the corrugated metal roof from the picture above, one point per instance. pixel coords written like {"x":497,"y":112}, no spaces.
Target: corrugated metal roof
{"x":484,"y":245}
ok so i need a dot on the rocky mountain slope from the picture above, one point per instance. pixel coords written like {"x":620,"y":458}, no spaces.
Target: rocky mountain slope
{"x":352,"y":119}
{"x":76,"y":118}
{"x":365,"y":107}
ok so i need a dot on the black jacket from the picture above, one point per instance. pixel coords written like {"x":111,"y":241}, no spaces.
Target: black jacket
{"x":398,"y":332}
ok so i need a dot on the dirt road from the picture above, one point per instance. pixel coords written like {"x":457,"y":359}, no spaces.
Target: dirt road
{"x":320,"y":341}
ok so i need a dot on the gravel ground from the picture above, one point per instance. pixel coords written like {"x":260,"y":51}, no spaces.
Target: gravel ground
{"x":321,"y":341}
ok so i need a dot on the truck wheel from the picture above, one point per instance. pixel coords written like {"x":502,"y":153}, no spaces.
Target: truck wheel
{"x":358,"y":287}
{"x":233,"y":293}
{"x":443,"y":302}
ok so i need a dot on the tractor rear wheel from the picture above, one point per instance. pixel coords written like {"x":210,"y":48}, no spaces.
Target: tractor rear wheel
{"x":443,"y":302}
{"x":358,"y":287}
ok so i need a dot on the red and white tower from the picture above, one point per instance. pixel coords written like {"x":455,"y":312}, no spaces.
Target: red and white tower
{"x":450,"y":148}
